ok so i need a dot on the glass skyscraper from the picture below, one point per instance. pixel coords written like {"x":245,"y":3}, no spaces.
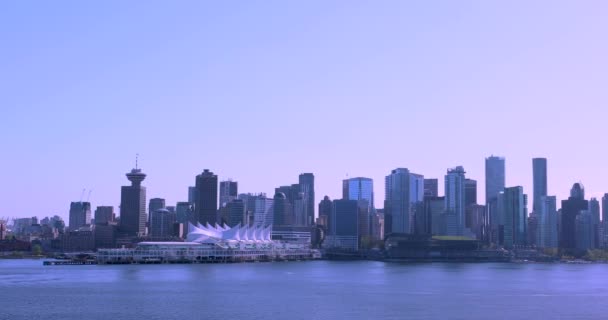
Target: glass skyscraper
{"x":455,"y":200}
{"x":359,"y":189}
{"x":495,"y":177}
{"x":539,"y":172}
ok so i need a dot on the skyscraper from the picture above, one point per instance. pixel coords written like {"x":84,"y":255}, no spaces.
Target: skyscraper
{"x":325,"y":208}
{"x":455,"y":201}
{"x":307,"y":186}
{"x":514,"y":219}
{"x":192,"y":194}
{"x":228,"y":192}
{"x":571,"y":208}
{"x":594,"y":212}
{"x":604,"y":233}
{"x":584,"y":231}
{"x":434,"y":208}
{"x":539,"y":170}
{"x":80,"y":214}
{"x":344,"y":232}
{"x":495,"y":184}
{"x":282,"y":211}
{"x":547,"y":222}
{"x":495,"y":177}
{"x":359,"y":189}
{"x":104,"y":214}
{"x":206,"y":197}
{"x":133,"y":205}
{"x":470,"y":192}
{"x":235,"y":212}
{"x":155,"y":204}
{"x":431,"y":187}
{"x":397,"y":204}
{"x":263,"y":214}
{"x":161,"y":223}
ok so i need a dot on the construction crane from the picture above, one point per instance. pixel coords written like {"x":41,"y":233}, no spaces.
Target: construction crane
{"x":82,"y":194}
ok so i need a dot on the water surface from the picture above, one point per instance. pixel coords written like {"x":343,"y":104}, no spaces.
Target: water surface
{"x":303,"y":290}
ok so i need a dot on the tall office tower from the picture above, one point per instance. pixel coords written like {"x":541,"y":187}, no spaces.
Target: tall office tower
{"x":495,"y":184}
{"x":344,"y":232}
{"x":584,"y":231}
{"x":206,"y":197}
{"x":435,"y":209}
{"x":362,"y":190}
{"x":495,"y":177}
{"x":307,"y":186}
{"x":161,"y":223}
{"x":547,"y":222}
{"x":455,"y":201}
{"x":397,"y":204}
{"x":235,"y":212}
{"x":571,"y":208}
{"x":431,"y":187}
{"x":104,"y":214}
{"x":470,"y":192}
{"x":539,"y":171}
{"x":604,"y":233}
{"x":133,"y":205}
{"x":282,"y":211}
{"x":359,"y":189}
{"x":325,"y":207}
{"x":264,"y":211}
{"x":228,"y":191}
{"x":192,"y":195}
{"x":514,"y":220}
{"x":155,"y":204}
{"x":594,"y":211}
{"x":80,"y":214}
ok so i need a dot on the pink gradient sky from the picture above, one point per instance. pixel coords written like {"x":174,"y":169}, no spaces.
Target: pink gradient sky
{"x":262,"y":91}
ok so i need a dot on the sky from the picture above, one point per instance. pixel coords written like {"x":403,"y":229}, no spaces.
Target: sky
{"x":261,"y":91}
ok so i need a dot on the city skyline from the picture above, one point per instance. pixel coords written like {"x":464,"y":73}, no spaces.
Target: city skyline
{"x":263,"y":92}
{"x":338,"y":195}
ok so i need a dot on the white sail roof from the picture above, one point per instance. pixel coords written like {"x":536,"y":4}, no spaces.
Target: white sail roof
{"x":215,"y":233}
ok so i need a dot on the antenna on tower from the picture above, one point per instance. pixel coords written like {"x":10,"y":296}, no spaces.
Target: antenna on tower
{"x":136,"y":160}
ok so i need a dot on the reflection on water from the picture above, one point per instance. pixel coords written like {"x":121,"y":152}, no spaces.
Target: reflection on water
{"x":303,"y":290}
